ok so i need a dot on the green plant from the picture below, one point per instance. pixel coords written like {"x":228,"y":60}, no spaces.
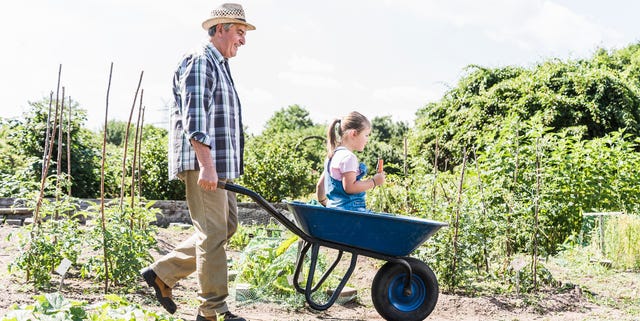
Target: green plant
{"x":622,"y":241}
{"x":53,"y":306}
{"x":45,"y":244}
{"x":266,"y":263}
{"x":128,"y":238}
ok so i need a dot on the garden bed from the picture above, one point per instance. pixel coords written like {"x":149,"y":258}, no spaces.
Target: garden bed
{"x":570,"y":302}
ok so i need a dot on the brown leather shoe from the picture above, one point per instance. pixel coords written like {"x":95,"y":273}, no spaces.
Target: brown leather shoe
{"x":228,"y":316}
{"x":163,"y":291}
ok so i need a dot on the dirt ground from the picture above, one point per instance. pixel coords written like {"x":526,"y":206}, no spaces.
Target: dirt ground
{"x":571,"y":305}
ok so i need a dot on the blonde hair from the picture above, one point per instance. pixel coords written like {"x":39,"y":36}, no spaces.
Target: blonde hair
{"x":354,"y":120}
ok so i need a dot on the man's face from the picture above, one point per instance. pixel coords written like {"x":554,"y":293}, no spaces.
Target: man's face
{"x":230,"y":40}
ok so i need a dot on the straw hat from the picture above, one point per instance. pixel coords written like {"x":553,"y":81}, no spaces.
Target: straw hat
{"x":227,"y":13}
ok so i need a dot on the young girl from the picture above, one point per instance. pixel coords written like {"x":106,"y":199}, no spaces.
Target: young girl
{"x":341,"y":184}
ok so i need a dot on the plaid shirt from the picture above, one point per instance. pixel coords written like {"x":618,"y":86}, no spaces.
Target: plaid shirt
{"x":206,"y":109}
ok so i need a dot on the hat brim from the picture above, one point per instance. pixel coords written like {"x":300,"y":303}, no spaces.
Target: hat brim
{"x":214,"y":21}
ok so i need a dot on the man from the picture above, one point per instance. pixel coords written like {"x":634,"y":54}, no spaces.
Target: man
{"x":206,"y":146}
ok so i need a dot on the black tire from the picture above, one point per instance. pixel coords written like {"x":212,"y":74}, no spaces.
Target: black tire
{"x":387,"y":291}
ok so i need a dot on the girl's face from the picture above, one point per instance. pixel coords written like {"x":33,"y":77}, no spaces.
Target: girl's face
{"x":360,"y":139}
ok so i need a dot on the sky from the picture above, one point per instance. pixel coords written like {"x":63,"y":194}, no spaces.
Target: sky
{"x":379,"y":57}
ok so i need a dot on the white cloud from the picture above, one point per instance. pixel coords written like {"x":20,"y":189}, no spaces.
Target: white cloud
{"x":533,"y":25}
{"x":400,"y":95}
{"x":255,"y":96}
{"x":309,"y":80}
{"x":307,"y":64}
{"x":555,"y":28}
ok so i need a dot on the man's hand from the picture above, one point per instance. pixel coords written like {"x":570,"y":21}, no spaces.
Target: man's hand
{"x":208,"y":178}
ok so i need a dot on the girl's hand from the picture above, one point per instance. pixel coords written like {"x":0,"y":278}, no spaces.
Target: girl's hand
{"x":379,"y":178}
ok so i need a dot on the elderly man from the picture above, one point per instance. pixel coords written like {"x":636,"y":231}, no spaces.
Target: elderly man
{"x":206,"y":146}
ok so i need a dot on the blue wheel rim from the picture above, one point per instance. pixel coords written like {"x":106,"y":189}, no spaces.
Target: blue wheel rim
{"x":407,"y":303}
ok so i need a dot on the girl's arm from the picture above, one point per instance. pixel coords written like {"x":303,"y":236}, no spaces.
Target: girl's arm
{"x":320,"y":193}
{"x":352,"y":186}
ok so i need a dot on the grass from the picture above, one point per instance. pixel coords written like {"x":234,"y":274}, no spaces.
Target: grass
{"x":600,"y":283}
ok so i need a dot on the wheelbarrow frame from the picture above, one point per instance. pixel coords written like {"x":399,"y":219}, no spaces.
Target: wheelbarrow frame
{"x":314,"y":243}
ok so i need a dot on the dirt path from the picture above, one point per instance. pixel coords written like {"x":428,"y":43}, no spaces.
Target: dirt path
{"x":571,"y":305}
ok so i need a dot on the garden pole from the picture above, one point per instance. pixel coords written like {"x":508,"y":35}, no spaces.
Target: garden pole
{"x":104,"y":148}
{"x":126,"y":141}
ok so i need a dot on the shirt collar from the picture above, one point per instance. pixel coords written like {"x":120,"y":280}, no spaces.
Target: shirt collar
{"x":215,"y":53}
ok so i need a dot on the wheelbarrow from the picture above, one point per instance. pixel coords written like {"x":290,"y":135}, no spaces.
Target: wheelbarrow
{"x":404,"y":288}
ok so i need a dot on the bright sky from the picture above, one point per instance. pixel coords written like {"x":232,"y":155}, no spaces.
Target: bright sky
{"x":380,"y":57}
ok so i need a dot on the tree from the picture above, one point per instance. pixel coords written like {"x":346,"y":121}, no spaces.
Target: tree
{"x":386,"y":142}
{"x":600,"y":95}
{"x":155,"y":167}
{"x":291,"y":118}
{"x":26,"y":136}
{"x":116,"y":132}
{"x":275,"y":169}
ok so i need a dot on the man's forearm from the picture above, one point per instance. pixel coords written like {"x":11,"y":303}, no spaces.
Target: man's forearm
{"x":203,"y":154}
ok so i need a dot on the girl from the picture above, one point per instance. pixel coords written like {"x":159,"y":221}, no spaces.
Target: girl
{"x":341,"y":184}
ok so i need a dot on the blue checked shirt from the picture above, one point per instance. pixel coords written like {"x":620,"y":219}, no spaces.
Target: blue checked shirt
{"x":206,"y":109}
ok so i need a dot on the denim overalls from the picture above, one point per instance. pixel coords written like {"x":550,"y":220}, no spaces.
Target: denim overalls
{"x":336,"y":195}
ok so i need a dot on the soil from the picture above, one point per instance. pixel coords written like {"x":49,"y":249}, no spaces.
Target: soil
{"x":571,"y":305}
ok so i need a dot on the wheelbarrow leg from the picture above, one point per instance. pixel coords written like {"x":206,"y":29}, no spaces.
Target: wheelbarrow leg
{"x":309,"y":287}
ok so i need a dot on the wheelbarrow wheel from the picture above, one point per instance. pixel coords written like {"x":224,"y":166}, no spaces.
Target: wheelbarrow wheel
{"x":390,"y":299}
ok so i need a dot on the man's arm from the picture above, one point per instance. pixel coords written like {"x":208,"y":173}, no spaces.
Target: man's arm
{"x":208,"y":178}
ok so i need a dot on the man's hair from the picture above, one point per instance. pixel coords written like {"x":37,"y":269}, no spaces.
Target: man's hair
{"x":226,"y":27}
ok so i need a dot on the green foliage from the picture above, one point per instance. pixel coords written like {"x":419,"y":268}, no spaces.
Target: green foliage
{"x":125,"y":244}
{"x":503,"y":211}
{"x":292,"y":118}
{"x":53,"y":306}
{"x":621,"y":240}
{"x":392,"y":197}
{"x":26,"y":139}
{"x":265,"y":265}
{"x":566,"y":94}
{"x":275,"y":169}
{"x":268,"y":261}
{"x":155,"y":167}
{"x":386,"y":142}
{"x":44,"y":245}
{"x":116,"y":130}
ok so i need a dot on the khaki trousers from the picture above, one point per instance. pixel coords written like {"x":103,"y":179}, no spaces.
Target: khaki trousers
{"x":215,"y":218}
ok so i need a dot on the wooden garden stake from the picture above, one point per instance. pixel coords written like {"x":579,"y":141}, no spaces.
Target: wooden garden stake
{"x":484,"y":210}
{"x":69,"y":148}
{"x":47,"y":135}
{"x":126,"y":141}
{"x":140,"y":153}
{"x":135,"y":158}
{"x":456,"y":223}
{"x":104,"y":149}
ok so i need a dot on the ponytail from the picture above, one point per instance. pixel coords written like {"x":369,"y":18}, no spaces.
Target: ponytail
{"x":334,"y":133}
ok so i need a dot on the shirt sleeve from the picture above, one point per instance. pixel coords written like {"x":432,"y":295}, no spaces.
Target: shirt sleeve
{"x":196,"y":99}
{"x":343,"y":162}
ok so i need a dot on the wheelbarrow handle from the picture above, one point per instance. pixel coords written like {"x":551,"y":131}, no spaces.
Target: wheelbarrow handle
{"x":267,"y":206}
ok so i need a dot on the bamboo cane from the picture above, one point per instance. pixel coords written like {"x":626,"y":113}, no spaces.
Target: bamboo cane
{"x":47,"y":135}
{"x":126,"y":141}
{"x":139,"y":154}
{"x":69,"y":148}
{"x":59,"y":151}
{"x":104,"y":148}
{"x":135,"y":158}
{"x":456,"y":223}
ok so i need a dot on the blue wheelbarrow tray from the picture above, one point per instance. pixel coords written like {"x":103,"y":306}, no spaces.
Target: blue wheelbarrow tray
{"x":388,"y":234}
